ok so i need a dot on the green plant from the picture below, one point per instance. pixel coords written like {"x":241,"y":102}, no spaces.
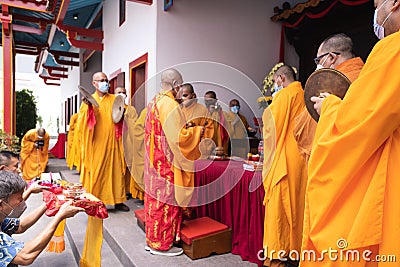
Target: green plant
{"x":26,"y":117}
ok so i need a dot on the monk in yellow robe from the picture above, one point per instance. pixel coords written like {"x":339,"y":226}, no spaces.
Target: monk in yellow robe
{"x":70,"y":140}
{"x":77,"y":145}
{"x":343,"y":60}
{"x":103,"y":163}
{"x":34,"y":153}
{"x":169,"y":178}
{"x":352,"y":198}
{"x":137,"y":153}
{"x":197,"y":115}
{"x":130,"y":117}
{"x":222,"y":127}
{"x":283,"y":170}
{"x":239,"y":130}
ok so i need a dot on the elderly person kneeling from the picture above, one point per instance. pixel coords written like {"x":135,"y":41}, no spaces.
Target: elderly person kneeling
{"x":12,"y":205}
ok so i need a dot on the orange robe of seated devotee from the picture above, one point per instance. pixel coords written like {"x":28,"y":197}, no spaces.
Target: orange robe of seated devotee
{"x":199,"y":116}
{"x":283,"y":172}
{"x":70,"y":140}
{"x":169,"y":178}
{"x":33,"y":159}
{"x":304,"y":130}
{"x":352,"y":192}
{"x":102,"y":170}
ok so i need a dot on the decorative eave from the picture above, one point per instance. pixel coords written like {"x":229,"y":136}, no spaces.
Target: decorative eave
{"x":299,"y":8}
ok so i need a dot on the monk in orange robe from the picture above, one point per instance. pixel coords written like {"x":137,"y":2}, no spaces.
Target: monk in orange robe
{"x":70,"y":140}
{"x":102,"y":172}
{"x":283,"y":170}
{"x":352,"y":199}
{"x":197,"y":115}
{"x":34,"y":153}
{"x":222,"y":127}
{"x":130,"y":117}
{"x":137,"y":154}
{"x":336,"y":51}
{"x":169,"y":178}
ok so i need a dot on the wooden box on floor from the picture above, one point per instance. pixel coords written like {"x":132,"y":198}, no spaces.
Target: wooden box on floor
{"x":140,"y":219}
{"x":203,"y":236}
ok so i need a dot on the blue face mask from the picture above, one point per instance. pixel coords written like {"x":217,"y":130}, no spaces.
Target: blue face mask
{"x":379,"y":30}
{"x":235,"y":109}
{"x":103,"y":87}
{"x":277,"y":88}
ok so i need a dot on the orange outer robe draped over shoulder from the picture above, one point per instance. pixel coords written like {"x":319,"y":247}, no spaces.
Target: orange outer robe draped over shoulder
{"x":33,"y":160}
{"x":305,"y":127}
{"x":353,"y":187}
{"x":199,"y":115}
{"x":102,"y":153}
{"x":70,"y":141}
{"x":169,"y":177}
{"x":284,"y":182}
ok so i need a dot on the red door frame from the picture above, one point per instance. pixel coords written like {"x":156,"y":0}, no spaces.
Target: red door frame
{"x":142,"y":60}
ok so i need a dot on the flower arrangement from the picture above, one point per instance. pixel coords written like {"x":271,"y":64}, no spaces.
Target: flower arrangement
{"x":264,"y":101}
{"x":9,"y":142}
{"x":269,"y":79}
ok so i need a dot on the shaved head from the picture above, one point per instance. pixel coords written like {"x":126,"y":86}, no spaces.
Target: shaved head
{"x":120,"y":90}
{"x":340,"y":43}
{"x":287,"y":71}
{"x":41,"y":132}
{"x":171,"y":75}
{"x":99,"y":76}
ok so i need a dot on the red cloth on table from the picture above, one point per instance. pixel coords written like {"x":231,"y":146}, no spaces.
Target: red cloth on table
{"x":58,"y":149}
{"x":239,"y":209}
{"x":53,"y":203}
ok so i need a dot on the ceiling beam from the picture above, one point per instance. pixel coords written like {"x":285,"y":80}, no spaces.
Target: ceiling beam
{"x":59,"y":18}
{"x":40,"y":6}
{"x":22,"y":28}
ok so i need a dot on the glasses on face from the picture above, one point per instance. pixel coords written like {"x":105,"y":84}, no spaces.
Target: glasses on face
{"x":318,"y":59}
{"x":102,"y":80}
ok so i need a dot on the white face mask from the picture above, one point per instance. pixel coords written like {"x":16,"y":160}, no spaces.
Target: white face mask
{"x":379,"y":30}
{"x":321,"y":66}
{"x":103,"y":87}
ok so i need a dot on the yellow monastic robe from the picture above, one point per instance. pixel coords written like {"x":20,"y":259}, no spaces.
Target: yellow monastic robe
{"x":304,"y":130}
{"x":78,"y":146}
{"x":102,"y":170}
{"x":238,"y":135}
{"x":103,"y":155}
{"x":137,"y":168}
{"x":70,"y":141}
{"x":130,"y":118}
{"x":284,"y":179}
{"x":352,"y":192}
{"x":199,"y":116}
{"x":33,"y":160}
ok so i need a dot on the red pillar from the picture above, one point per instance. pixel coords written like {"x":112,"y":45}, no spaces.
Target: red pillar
{"x":8,"y":72}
